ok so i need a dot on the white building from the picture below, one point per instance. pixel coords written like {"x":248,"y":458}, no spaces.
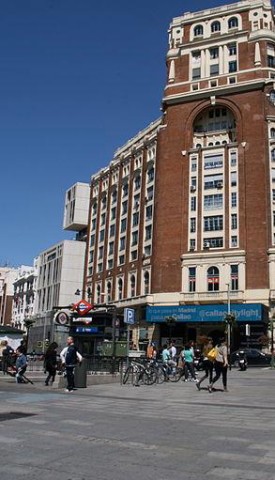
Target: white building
{"x":60,"y":274}
{"x":24,"y":294}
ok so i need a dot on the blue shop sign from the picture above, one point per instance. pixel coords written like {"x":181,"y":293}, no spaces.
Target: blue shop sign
{"x":249,"y":312}
{"x":86,"y":330}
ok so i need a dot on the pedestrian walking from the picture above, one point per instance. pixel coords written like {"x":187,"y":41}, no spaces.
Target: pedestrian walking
{"x":188,"y":355}
{"x":21,"y":365}
{"x":7,"y":356}
{"x":207,"y":365}
{"x":220,"y":365}
{"x":69,"y":359}
{"x":50,"y":363}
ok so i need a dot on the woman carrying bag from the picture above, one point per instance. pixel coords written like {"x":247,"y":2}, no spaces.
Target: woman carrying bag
{"x":220,"y":365}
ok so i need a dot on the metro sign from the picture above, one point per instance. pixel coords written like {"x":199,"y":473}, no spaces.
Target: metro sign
{"x":82,"y":307}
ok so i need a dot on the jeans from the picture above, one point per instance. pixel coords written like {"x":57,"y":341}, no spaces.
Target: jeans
{"x":189,"y":368}
{"x":220,"y":370}
{"x":70,"y":378}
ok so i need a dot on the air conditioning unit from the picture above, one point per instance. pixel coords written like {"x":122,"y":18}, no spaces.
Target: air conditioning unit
{"x":219,"y":185}
{"x":192,"y":188}
{"x":206,"y":245}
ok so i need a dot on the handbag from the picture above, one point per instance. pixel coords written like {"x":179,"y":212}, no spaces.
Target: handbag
{"x":212,"y":354}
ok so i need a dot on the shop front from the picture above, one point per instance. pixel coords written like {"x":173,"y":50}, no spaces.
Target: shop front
{"x":188,"y":322}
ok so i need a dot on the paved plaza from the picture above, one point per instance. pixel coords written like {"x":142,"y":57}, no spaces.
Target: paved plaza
{"x":114,"y":432}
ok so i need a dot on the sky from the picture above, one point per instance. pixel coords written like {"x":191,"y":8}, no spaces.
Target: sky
{"x":78,"y":78}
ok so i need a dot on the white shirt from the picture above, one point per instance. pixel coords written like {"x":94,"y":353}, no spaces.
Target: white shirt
{"x":64,"y":352}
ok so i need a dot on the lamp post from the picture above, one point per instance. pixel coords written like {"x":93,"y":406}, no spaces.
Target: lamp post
{"x":229,"y":319}
{"x":88,"y":291}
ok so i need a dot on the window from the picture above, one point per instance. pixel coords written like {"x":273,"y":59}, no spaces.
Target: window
{"x":216,"y":242}
{"x":213,"y":181}
{"x":213,"y":223}
{"x":196,"y":73}
{"x":233,"y":22}
{"x":103,"y":219}
{"x":93,"y":224}
{"x":100,"y":252}
{"x":133,"y":286}
{"x":121,"y":259}
{"x":233,"y":159}
{"x":215,"y":27}
{"x":137,"y":182}
{"x":134,"y":255}
{"x":232,"y":66}
{"x":122,"y":243}
{"x":234,"y":277}
{"x":94,"y":209}
{"x":99,"y":267}
{"x":192,"y":279}
{"x":213,"y":279}
{"x":110,"y":263}
{"x":232,"y":49}
{"x":123,"y":225}
{"x":113,"y":213}
{"x":125,"y":189}
{"x":198,"y":30}
{"x":98,"y":294}
{"x":148,"y":232}
{"x":193,"y":204}
{"x":146,"y":279}
{"x":214,"y":70}
{"x":101,"y":235}
{"x":192,"y":225}
{"x":214,"y":52}
{"x":233,"y":199}
{"x":111,"y":248}
{"x":103,"y":202}
{"x":233,"y":179}
{"x":109,"y":291}
{"x":272,"y":132}
{"x":150,"y":193}
{"x":234,"y":223}
{"x":213,"y":161}
{"x":149,"y":212}
{"x":135,"y":219}
{"x":112,"y":230}
{"x":92,"y":241}
{"x":213,"y":202}
{"x":150,"y":174}
{"x":91,"y":259}
{"x":193,"y":164}
{"x":120,"y":288}
{"x":134,"y":238}
{"x":114,"y":196}
{"x":273,"y":155}
{"x":234,"y":241}
{"x":124,"y":207}
{"x":147,"y":251}
{"x":273,"y":195}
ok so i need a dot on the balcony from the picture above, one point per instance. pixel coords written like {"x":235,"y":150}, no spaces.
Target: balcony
{"x":236,"y":296}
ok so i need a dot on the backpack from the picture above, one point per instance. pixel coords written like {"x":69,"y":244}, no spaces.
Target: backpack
{"x":212,"y":354}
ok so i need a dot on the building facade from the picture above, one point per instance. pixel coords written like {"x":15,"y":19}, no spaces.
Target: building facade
{"x":7,"y":277}
{"x":24,"y":295}
{"x":182,"y":221}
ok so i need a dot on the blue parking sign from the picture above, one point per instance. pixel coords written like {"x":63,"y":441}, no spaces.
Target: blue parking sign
{"x":129,"y":316}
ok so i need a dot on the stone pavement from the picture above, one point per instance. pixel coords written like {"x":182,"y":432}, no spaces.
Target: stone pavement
{"x":113,"y":432}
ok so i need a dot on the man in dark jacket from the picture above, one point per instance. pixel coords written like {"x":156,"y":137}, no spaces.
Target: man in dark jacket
{"x":70,"y":357}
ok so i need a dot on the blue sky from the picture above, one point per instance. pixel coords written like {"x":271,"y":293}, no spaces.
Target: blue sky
{"x":78,"y":78}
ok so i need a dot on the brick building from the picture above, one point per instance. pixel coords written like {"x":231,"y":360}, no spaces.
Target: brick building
{"x":182,"y":221}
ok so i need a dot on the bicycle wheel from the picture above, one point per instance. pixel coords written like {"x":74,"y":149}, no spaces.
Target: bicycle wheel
{"x":128,"y":372}
{"x":175,"y":374}
{"x":151,"y":376}
{"x":160,"y":375}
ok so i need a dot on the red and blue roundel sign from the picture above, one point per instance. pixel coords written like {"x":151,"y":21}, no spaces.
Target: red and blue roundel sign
{"x":82,"y":307}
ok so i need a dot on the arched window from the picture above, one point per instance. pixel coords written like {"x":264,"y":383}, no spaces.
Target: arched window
{"x":213,"y":279}
{"x":198,"y":30}
{"x":215,"y":27}
{"x":146,"y":282}
{"x":98,"y":294}
{"x":120,"y":288}
{"x":109,"y":291}
{"x":233,"y":22}
{"x":133,"y":285}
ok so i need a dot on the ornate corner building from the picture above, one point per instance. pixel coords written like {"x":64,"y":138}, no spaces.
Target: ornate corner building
{"x":182,"y":221}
